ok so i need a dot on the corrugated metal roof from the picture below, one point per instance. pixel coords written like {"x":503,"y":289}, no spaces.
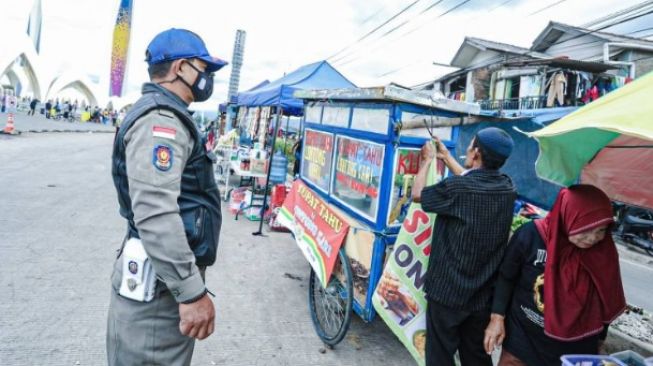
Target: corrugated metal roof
{"x":471,"y":46}
{"x":554,"y":30}
{"x":567,"y":64}
{"x":392,"y":93}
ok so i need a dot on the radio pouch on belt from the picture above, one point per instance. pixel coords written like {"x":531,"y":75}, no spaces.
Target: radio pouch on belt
{"x":138,"y":277}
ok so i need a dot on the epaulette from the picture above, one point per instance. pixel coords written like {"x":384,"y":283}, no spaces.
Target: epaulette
{"x":166,"y":113}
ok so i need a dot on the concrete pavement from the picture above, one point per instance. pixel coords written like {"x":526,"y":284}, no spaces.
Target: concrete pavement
{"x":59,"y":229}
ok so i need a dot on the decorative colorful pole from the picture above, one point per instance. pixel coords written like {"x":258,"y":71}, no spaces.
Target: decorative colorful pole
{"x":120,"y":47}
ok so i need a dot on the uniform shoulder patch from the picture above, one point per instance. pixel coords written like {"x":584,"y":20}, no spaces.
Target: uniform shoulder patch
{"x":163,"y":157}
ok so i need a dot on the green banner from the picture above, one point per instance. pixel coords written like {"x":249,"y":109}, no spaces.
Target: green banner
{"x":399,"y":297}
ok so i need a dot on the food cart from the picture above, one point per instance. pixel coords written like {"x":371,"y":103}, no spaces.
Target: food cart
{"x":359,"y":157}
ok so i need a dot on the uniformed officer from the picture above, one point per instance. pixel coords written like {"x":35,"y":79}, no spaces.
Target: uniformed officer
{"x":164,"y":179}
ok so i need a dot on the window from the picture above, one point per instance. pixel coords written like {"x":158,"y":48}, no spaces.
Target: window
{"x":313,"y":113}
{"x":372,"y":120}
{"x":317,"y":156}
{"x":358,"y":172}
{"x":336,"y":116}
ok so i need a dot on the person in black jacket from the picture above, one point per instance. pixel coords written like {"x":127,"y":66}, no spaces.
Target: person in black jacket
{"x":48,"y":108}
{"x":559,"y":284}
{"x":474,"y":209}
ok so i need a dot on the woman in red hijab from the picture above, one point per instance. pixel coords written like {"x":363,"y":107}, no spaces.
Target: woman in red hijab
{"x":559,"y":286}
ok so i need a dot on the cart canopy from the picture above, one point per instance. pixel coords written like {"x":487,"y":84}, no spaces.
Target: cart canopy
{"x":319,"y":75}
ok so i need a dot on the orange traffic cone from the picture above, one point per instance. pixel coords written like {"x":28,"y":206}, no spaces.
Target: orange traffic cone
{"x":9,"y":128}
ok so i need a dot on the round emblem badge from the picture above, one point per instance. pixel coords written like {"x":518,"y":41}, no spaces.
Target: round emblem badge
{"x":162,"y":158}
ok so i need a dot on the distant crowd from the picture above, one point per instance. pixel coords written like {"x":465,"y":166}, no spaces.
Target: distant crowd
{"x":62,"y":109}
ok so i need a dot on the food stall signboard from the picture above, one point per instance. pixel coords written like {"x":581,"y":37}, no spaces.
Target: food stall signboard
{"x":319,"y":231}
{"x":399,"y":297}
{"x":406,"y":166}
{"x":317,"y":154}
{"x":358,"y":172}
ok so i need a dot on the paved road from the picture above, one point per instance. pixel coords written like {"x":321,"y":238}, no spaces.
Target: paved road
{"x":59,"y":229}
{"x":638,"y":283}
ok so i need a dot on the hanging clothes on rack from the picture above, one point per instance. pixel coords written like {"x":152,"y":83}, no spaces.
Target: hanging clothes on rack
{"x":557,"y":89}
{"x":585,"y":84}
{"x":594,"y":93}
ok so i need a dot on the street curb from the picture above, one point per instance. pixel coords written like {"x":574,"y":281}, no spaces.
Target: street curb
{"x":643,"y":348}
{"x":67,"y":131}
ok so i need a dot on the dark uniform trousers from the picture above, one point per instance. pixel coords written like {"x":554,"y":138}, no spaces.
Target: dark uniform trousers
{"x":448,"y":330}
{"x":145,"y":333}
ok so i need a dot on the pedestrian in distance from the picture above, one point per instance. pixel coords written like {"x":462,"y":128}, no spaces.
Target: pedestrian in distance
{"x":163,"y":175}
{"x":559,"y":285}
{"x":32,"y":106}
{"x":66,"y":110}
{"x":474,"y":210}
{"x":48,"y":108}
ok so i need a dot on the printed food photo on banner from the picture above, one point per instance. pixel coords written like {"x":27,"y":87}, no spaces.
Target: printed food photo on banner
{"x":358,"y":247}
{"x":359,"y":166}
{"x":396,"y":297}
{"x":417,"y":334}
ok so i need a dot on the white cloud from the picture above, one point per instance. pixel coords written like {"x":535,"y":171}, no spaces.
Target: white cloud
{"x":285,"y":34}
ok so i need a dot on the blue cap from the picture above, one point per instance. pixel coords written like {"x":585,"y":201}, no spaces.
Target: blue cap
{"x":174,"y":44}
{"x":496,"y":141}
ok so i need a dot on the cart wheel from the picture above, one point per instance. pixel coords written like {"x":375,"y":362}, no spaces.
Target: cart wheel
{"x":331,"y":307}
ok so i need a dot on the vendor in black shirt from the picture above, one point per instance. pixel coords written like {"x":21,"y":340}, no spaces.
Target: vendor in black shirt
{"x":474,"y":212}
{"x":570,"y":260}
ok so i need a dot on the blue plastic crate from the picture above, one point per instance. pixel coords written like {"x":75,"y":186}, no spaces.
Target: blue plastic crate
{"x":588,"y":360}
{"x":629,"y":358}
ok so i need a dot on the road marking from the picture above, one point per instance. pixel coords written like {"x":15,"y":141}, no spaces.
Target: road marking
{"x":636,"y":264}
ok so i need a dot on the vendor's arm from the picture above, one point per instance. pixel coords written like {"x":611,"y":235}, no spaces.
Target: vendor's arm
{"x":435,"y":198}
{"x":427,"y":155}
{"x":154,"y":187}
{"x":443,"y":154}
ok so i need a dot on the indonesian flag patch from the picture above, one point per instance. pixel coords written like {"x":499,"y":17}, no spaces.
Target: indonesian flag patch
{"x":165,"y":132}
{"x":162,"y":158}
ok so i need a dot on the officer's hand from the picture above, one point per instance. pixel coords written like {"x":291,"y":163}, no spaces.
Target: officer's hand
{"x":197,"y":318}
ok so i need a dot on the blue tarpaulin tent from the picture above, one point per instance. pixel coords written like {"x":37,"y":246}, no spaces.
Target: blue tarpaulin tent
{"x":521,"y":164}
{"x":319,"y":75}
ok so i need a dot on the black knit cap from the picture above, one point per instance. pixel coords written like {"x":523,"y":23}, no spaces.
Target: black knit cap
{"x":496,"y":141}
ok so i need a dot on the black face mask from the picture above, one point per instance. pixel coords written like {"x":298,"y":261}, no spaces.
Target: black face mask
{"x":202,"y":88}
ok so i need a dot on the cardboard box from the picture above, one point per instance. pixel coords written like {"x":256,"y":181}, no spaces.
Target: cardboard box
{"x":258,"y":166}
